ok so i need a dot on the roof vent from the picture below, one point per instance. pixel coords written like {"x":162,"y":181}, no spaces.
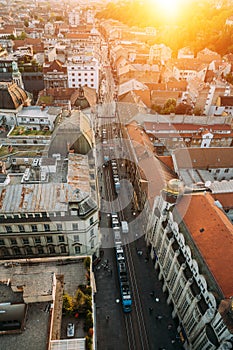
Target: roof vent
{"x":202,"y":229}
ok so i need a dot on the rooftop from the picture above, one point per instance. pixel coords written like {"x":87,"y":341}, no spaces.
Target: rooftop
{"x":212,"y":233}
{"x":204,"y":158}
{"x":30,"y":273}
{"x":50,"y":197}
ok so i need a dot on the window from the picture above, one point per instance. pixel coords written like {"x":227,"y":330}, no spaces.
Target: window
{"x":49,"y":239}
{"x":46,"y":227}
{"x":59,"y":227}
{"x":92,"y":244}
{"x":16,"y":251}
{"x":37,"y":240}
{"x":51,"y":249}
{"x":13,"y":241}
{"x":91,"y":220}
{"x":34,"y":228}
{"x":8,"y":229}
{"x":63,"y":249}
{"x":61,"y":239}
{"x":75,"y":227}
{"x":21,"y":228}
{"x":76,"y":238}
{"x":25,"y":241}
{"x":29,"y":250}
{"x":2,"y":242}
{"x":226,"y":171}
{"x":77,"y":249}
{"x":40,"y":250}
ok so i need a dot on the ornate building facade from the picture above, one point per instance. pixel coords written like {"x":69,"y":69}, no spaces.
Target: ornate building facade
{"x":190,"y":242}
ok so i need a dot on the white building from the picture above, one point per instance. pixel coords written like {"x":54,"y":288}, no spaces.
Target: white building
{"x":190,"y":241}
{"x":74,"y":18}
{"x":38,"y":118}
{"x":49,"y":217}
{"x":83,"y":72}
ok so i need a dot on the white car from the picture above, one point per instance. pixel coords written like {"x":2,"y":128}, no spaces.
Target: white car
{"x":70,"y":330}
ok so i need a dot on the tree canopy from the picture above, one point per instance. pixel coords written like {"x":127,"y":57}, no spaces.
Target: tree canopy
{"x":198,"y":25}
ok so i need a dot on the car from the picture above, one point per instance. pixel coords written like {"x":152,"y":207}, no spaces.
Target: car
{"x":70,"y":330}
{"x":124,"y":226}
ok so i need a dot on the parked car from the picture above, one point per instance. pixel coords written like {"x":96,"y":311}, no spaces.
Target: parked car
{"x":70,"y":330}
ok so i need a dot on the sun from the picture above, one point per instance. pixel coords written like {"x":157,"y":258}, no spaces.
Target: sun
{"x":168,"y":8}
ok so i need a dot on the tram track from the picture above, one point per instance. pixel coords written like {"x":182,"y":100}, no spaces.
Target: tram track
{"x":136,"y":333}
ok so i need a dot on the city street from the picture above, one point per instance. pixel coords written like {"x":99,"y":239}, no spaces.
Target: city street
{"x":149,"y":302}
{"x":160,"y":326}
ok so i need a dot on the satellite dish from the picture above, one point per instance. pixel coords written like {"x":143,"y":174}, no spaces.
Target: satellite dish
{"x":207,"y":183}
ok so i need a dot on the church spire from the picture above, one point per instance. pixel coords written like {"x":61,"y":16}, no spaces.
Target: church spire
{"x":16,"y":75}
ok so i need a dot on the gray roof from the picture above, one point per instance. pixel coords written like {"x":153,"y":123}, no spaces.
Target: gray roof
{"x":40,"y":197}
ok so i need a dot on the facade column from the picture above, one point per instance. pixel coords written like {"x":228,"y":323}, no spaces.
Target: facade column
{"x":186,"y":287}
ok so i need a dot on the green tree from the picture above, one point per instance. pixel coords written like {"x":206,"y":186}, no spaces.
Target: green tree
{"x":88,"y":321}
{"x":68,"y":304}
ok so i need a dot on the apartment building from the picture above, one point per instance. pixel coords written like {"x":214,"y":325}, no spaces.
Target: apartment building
{"x":200,"y":165}
{"x":50,"y":210}
{"x":83,"y":72}
{"x":190,"y":241}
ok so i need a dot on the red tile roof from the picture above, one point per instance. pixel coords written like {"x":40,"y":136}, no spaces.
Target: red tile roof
{"x":185,"y":127}
{"x":167,"y":160}
{"x":152,"y":170}
{"x":204,"y":158}
{"x":226,"y":199}
{"x":215,"y":243}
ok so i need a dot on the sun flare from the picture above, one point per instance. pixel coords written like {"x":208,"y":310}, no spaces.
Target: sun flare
{"x":169,"y":8}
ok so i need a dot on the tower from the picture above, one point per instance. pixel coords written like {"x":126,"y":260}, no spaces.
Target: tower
{"x":16,"y":75}
{"x":173,"y":191}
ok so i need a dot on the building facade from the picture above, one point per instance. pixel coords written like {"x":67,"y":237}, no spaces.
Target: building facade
{"x":49,"y":217}
{"x":83,"y":73}
{"x":190,"y":267}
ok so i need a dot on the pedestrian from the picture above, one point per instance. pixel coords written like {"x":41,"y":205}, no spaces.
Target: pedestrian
{"x":150,"y":309}
{"x":159,"y":317}
{"x":169,"y":327}
{"x":107,"y":318}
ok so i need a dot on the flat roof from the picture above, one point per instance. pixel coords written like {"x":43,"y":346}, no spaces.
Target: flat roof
{"x":49,"y":197}
{"x":37,"y":320}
